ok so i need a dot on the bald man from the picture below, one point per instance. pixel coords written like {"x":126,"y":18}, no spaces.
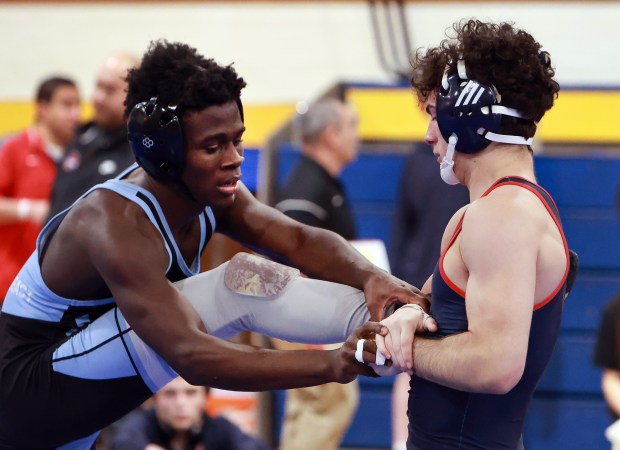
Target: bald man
{"x":100,"y":150}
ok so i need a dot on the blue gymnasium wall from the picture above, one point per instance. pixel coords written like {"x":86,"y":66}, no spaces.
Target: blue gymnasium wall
{"x":568,"y":410}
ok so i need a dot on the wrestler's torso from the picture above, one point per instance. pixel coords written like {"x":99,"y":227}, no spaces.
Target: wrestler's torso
{"x":460,"y":419}
{"x":30,"y":297}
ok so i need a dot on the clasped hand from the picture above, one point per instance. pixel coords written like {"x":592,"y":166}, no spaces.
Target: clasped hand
{"x":402,"y":326}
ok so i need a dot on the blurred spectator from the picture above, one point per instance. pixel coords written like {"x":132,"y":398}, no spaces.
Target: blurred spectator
{"x":607,"y":349}
{"x":27,"y":171}
{"x":424,"y":206}
{"x":177,"y":421}
{"x":607,"y":355}
{"x":101,"y":149}
{"x":317,"y":417}
{"x":313,"y":194}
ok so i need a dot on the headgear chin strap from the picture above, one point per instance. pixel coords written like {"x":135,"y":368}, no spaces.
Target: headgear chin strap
{"x":446,"y":168}
{"x":471,"y":111}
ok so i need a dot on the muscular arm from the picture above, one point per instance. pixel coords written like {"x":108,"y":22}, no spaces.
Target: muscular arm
{"x":499,"y":250}
{"x":317,"y":252}
{"x":129,"y":255}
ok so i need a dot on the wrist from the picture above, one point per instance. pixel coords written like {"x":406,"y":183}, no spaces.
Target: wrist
{"x":422,"y":327}
{"x":24,"y":206}
{"x":413,"y":306}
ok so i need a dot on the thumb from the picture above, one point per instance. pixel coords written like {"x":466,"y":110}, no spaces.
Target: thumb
{"x":430,"y":324}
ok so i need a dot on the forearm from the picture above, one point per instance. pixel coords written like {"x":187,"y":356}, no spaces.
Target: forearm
{"x":610,"y":384}
{"x":22,"y":210}
{"x":463,"y":362}
{"x":243,"y":368}
{"x":10,"y":210}
{"x":326,"y":255}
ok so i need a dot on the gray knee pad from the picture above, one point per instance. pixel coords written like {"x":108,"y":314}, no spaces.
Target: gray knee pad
{"x":251,"y":293}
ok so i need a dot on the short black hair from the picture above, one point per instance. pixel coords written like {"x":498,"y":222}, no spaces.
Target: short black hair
{"x":47,"y":87}
{"x":178,"y":75}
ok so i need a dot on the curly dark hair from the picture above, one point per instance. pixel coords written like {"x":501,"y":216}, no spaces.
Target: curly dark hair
{"x":497,"y":54}
{"x":177,"y":74}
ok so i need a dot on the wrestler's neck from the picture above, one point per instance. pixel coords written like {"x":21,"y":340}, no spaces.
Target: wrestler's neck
{"x":479,"y":171}
{"x":178,"y":206}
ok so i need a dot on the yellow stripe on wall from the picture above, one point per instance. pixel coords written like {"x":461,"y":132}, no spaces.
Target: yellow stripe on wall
{"x":263,"y":120}
{"x":15,"y":116}
{"x":260,"y":120}
{"x":583,"y":117}
{"x":388,"y":114}
{"x":393,"y":115}
{"x":577,"y":117}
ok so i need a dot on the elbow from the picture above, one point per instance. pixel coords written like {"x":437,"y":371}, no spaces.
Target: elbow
{"x":503,"y":379}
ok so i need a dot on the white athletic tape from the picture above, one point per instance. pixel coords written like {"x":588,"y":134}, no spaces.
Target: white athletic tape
{"x":379,"y":359}
{"x":360,"y":350}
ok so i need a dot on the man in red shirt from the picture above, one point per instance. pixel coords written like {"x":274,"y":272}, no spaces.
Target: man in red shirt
{"x":27,"y":171}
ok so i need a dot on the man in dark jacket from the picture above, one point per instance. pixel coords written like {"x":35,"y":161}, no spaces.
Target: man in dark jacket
{"x":100,"y":150}
{"x":177,"y":421}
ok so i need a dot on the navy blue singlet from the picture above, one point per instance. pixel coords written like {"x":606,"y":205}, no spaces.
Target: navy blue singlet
{"x":444,"y":418}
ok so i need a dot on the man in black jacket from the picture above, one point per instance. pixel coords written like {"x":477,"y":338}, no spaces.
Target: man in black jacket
{"x":177,"y":421}
{"x":100,"y":150}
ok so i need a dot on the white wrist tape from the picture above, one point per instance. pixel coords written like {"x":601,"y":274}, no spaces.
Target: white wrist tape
{"x":23,"y":208}
{"x":359,"y":352}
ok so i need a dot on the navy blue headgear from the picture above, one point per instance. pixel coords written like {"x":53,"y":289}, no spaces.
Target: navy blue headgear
{"x":156,"y":139}
{"x":471,"y":111}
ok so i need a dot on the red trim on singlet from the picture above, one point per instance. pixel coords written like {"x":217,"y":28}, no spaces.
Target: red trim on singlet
{"x":543,"y":200}
{"x":447,"y":280}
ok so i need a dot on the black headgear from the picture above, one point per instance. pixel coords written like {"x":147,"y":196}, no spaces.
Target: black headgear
{"x":472,"y":111}
{"x":156,"y":139}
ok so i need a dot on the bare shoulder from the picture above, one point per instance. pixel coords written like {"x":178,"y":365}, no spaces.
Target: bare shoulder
{"x":508,"y":208}
{"x":113,"y":229}
{"x":109,"y":214}
{"x":103,"y":233}
{"x":508,"y":224}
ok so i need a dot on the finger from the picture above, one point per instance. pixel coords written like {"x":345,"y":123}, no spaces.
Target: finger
{"x":381,"y":347}
{"x":385,"y":371}
{"x":406,"y":349}
{"x":418,"y":293}
{"x":370,"y":329}
{"x":395,"y":348}
{"x":430,"y":324}
{"x":371,"y":353}
{"x":376,"y":312}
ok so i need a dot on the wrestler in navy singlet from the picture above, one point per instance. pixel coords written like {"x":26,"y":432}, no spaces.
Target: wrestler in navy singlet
{"x":444,"y":418}
{"x":48,"y":351}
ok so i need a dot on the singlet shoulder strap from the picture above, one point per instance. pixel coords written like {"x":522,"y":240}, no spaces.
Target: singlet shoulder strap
{"x":533,"y":187}
{"x":552,"y":209}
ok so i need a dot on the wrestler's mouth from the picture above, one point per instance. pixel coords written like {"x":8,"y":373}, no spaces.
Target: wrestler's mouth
{"x":230,"y":186}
